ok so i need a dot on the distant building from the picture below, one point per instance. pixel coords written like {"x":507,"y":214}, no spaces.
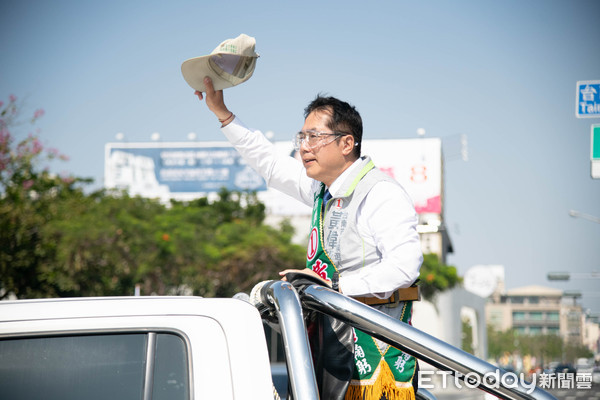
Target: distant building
{"x":531,"y":310}
{"x":539,"y":310}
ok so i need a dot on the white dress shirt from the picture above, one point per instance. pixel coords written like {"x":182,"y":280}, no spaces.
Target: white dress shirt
{"x":386,"y":219}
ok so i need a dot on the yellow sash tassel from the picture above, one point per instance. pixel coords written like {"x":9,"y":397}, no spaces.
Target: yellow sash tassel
{"x":384,"y":384}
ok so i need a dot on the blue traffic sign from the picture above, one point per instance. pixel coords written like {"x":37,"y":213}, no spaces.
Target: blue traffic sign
{"x":588,"y":99}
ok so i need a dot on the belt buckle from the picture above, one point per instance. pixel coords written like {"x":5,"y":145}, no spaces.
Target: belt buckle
{"x":394,"y":304}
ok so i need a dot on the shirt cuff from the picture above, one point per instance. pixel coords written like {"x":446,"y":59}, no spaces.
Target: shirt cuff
{"x":235,"y":130}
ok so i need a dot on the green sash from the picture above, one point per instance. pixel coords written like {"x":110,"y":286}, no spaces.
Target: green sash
{"x":376,"y":373}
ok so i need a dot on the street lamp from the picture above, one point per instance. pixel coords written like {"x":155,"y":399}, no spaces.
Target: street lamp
{"x":558,"y":276}
{"x":565,"y":276}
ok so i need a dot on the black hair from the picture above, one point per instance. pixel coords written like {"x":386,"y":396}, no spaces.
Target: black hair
{"x":343,"y":117}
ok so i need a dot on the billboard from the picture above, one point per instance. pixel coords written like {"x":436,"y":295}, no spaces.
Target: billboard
{"x":188,"y":170}
{"x":177,"y":170}
{"x":416,"y":164}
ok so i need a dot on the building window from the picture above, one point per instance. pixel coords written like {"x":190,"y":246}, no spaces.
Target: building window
{"x":550,"y":300}
{"x":518,"y":316}
{"x":517,"y":300}
{"x":552,"y":316}
{"x":535,"y":330}
{"x":573,"y":316}
{"x":495,"y":317}
{"x":521,"y":330}
{"x":552,"y":330}
{"x":536,"y":316}
{"x":534,"y":300}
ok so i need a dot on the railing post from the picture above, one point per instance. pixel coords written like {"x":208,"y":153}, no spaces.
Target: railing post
{"x":282,"y":298}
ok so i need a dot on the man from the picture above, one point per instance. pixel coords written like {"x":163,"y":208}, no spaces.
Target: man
{"x":363,"y":239}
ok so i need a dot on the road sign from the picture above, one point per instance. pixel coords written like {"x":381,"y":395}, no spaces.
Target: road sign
{"x":595,"y":151}
{"x":588,"y":99}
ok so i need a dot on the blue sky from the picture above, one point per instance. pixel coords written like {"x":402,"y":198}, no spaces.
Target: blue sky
{"x":501,"y":72}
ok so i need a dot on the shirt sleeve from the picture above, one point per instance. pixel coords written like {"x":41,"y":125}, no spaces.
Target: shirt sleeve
{"x":387,"y":219}
{"x":280,"y":172}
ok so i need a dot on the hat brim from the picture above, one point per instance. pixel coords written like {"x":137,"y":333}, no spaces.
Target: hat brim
{"x":196,"y":69}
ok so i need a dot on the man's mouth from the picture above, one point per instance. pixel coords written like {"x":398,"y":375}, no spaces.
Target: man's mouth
{"x":308,"y":160}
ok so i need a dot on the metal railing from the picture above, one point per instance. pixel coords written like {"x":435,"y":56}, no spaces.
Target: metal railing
{"x":282,"y":300}
{"x":419,"y":344}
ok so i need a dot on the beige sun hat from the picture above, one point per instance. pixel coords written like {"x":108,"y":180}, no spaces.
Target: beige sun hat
{"x":231,"y":63}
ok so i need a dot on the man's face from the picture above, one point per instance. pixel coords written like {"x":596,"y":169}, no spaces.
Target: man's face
{"x":326,"y":161}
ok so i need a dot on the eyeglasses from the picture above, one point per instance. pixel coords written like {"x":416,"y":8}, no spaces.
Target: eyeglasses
{"x":314,"y":139}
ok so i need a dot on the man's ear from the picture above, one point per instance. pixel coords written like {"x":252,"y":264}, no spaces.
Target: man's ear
{"x":347,"y":144}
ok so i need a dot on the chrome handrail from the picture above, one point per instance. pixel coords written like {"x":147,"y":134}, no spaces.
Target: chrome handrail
{"x":417,"y":343}
{"x":281,"y":298}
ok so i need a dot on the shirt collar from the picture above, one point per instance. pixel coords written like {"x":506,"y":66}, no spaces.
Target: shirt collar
{"x":337,"y":184}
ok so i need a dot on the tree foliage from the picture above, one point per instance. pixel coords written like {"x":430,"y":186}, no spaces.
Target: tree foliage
{"x":545,"y":348}
{"x":467,"y":336}
{"x":436,"y":277}
{"x":30,"y":196}
{"x":56,"y":240}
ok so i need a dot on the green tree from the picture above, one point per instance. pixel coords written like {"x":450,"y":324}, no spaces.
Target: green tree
{"x":501,"y":342}
{"x":238,"y":249}
{"x":467,"y":336}
{"x":436,"y":277}
{"x":28,"y":199}
{"x":573,"y":351}
{"x":545,"y":348}
{"x":112,"y":242}
{"x":103,"y":241}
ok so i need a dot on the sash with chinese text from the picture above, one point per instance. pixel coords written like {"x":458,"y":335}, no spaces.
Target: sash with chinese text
{"x":376,"y":372}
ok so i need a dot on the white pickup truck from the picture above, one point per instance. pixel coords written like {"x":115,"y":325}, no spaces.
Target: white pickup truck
{"x":189,"y":348}
{"x":133,"y":348}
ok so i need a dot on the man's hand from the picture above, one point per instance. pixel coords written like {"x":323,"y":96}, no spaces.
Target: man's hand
{"x":305,"y":271}
{"x":214,"y":100}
